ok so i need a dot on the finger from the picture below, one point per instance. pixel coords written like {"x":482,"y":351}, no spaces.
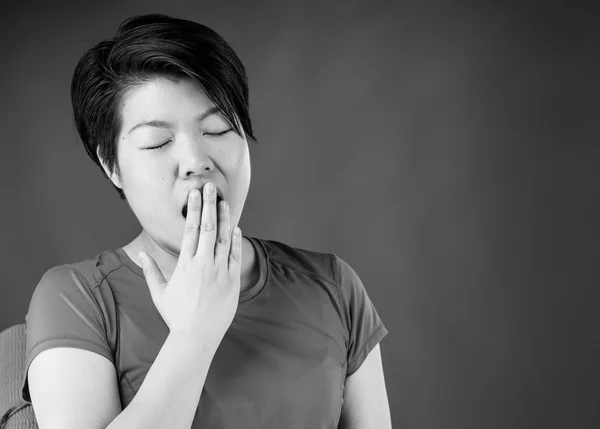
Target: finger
{"x":223,"y":244}
{"x":208,"y":225}
{"x":189,"y":243}
{"x":235,"y":256}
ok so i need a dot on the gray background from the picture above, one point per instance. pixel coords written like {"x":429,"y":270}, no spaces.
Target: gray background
{"x":448,"y":152}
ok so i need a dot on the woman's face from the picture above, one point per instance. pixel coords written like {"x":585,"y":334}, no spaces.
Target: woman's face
{"x":157,"y":182}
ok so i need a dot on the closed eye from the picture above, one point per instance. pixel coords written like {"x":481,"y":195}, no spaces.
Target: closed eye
{"x":158,"y":147}
{"x":218,"y":134}
{"x":208,"y":134}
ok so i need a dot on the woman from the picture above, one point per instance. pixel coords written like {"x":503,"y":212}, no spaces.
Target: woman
{"x":191,"y":324}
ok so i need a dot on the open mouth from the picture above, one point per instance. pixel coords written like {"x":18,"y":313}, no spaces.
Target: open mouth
{"x":185,"y":207}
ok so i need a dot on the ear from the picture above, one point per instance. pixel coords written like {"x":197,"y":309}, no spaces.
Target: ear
{"x":114,"y":177}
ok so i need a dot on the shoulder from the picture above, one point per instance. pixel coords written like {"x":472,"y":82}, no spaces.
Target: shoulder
{"x":96,"y":268}
{"x":325,"y":265}
{"x":83,"y":276}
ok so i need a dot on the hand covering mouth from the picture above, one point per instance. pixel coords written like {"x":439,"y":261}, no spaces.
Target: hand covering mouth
{"x":185,"y":207}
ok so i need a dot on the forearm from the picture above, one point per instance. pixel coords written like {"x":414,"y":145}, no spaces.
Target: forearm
{"x":169,"y":395}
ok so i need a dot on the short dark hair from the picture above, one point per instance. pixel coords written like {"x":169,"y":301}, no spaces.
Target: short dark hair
{"x":144,"y":48}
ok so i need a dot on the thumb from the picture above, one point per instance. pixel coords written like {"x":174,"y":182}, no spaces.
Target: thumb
{"x":156,"y":281}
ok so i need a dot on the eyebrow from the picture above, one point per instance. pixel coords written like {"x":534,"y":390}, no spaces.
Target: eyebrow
{"x":165,"y":124}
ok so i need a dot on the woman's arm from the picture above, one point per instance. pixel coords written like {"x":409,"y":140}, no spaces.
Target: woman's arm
{"x":365,"y":397}
{"x":170,"y":393}
{"x":77,"y":389}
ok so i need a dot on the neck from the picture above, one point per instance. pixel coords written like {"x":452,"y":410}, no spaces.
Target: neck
{"x":167,"y":262}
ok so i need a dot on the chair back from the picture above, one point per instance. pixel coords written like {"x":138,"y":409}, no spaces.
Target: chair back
{"x":15,"y":413}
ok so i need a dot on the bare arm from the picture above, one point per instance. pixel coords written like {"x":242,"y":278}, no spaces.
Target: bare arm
{"x":74,"y":388}
{"x":365,"y":397}
{"x":169,"y":395}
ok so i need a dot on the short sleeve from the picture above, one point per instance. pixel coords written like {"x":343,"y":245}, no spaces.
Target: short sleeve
{"x":63,"y":312}
{"x":365,"y":327}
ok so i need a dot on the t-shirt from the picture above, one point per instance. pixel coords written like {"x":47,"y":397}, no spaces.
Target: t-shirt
{"x":297,"y":334}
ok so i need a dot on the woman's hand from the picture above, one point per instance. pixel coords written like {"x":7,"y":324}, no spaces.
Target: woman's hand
{"x":202,"y":295}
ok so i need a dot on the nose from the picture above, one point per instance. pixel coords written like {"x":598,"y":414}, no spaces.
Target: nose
{"x":194,"y":159}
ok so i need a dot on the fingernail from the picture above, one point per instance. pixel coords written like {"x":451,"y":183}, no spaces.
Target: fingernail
{"x":210,"y":188}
